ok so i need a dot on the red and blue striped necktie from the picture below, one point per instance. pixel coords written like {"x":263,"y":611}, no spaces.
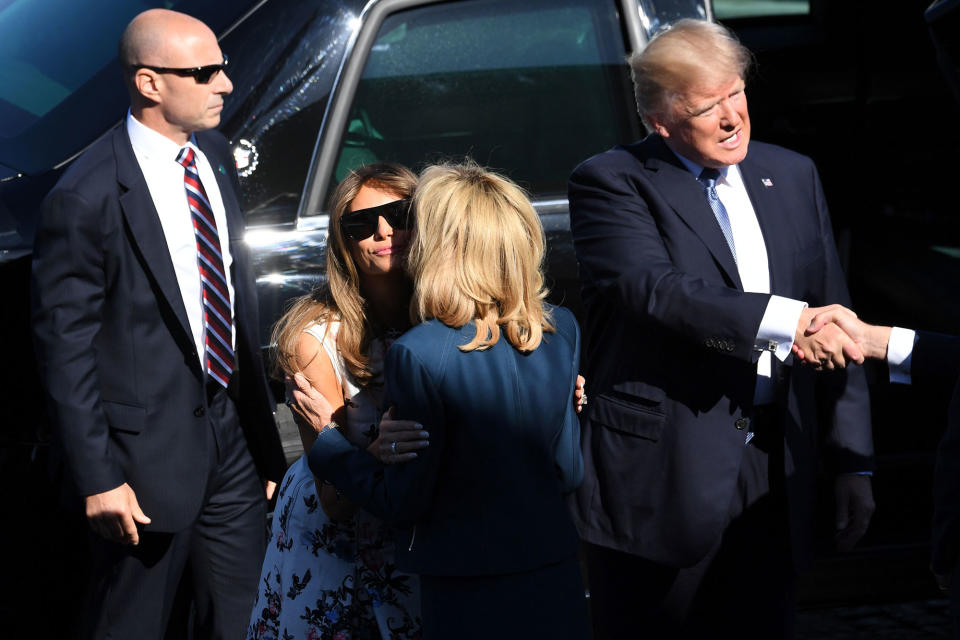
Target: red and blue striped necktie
{"x":217,"y":310}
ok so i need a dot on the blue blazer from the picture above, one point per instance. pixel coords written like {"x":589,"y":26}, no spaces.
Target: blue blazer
{"x":486,"y":497}
{"x":125,"y":387}
{"x":670,"y":358}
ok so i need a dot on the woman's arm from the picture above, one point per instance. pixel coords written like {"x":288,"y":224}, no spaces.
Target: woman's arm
{"x":316,"y":367}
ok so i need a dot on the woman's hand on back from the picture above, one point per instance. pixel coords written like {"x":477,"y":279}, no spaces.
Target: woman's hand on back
{"x":399,"y":440}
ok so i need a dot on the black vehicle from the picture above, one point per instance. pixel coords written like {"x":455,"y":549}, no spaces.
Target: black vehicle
{"x":530,"y":88}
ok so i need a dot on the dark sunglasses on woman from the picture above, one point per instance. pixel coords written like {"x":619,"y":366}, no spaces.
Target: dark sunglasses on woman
{"x":362,"y":223}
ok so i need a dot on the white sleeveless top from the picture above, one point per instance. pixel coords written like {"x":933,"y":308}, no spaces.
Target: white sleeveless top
{"x":362,"y":404}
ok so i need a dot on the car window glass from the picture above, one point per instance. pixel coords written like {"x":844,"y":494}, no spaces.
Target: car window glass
{"x":724,"y":9}
{"x":283,"y":65}
{"x":530,"y":89}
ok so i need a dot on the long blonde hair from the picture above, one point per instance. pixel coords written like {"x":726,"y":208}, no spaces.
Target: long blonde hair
{"x":476,"y":255}
{"x":340,"y":297}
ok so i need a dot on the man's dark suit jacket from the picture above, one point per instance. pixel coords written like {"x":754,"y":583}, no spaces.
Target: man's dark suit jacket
{"x":670,"y":357}
{"x":936,"y":364}
{"x":125,"y":386}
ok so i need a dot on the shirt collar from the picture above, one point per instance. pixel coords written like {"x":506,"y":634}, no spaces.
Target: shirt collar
{"x":695,"y":168}
{"x":151,"y":144}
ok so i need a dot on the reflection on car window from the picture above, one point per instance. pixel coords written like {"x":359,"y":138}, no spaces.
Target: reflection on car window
{"x":283,"y":66}
{"x":723,"y":9}
{"x":656,"y":14}
{"x":531,"y":90}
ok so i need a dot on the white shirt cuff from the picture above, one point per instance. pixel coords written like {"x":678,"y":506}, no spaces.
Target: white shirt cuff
{"x":900,"y":354}
{"x":779,"y":326}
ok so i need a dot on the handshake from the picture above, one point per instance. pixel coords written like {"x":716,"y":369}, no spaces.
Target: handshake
{"x":832,"y":336}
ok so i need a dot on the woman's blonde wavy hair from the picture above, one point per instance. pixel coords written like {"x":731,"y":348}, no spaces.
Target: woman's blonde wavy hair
{"x":340,"y":295}
{"x":476,"y":255}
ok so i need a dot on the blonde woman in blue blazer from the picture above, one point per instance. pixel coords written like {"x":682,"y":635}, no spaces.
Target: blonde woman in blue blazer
{"x":490,"y":372}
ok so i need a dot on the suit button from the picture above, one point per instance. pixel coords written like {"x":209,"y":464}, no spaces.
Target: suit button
{"x":741,"y":423}
{"x":199,"y":411}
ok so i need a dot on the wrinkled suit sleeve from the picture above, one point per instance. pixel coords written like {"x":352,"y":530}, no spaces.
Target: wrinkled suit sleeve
{"x":67,"y":297}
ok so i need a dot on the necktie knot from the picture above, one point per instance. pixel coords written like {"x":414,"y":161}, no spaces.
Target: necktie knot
{"x":186,"y":157}
{"x":709,"y":177}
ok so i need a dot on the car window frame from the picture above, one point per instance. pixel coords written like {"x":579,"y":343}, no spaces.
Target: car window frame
{"x":333,"y":126}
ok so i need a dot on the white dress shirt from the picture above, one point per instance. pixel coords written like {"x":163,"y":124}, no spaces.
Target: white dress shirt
{"x":779,"y":323}
{"x":157,"y":156}
{"x":900,"y":354}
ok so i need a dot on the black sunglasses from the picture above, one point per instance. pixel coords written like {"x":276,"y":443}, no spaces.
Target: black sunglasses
{"x":361,"y":224}
{"x":202,"y":75}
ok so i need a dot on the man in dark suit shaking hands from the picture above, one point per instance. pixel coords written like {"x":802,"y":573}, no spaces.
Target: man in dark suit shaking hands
{"x":703,"y":257}
{"x":145,"y":324}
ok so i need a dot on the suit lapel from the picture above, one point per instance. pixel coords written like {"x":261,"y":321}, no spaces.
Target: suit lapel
{"x":685,"y":195}
{"x":768,"y":206}
{"x":145,"y":228}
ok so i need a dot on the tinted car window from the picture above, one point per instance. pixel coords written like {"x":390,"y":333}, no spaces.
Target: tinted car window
{"x":283,"y":63}
{"x":531,"y":90}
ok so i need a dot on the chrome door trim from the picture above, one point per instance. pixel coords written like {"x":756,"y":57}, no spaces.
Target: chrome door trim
{"x":636,"y":35}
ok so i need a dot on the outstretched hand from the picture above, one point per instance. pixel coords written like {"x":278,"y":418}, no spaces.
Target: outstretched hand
{"x":871,"y":339}
{"x":825,"y":344}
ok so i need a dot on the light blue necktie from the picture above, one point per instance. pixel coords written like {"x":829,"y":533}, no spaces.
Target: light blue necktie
{"x":708,"y":178}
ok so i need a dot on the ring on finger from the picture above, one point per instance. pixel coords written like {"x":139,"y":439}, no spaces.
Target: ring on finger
{"x":393,"y":447}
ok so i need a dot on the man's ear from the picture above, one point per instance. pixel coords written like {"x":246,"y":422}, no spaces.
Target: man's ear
{"x":659,"y":124}
{"x":147,"y":83}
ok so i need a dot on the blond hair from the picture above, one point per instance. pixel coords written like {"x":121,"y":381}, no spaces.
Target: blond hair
{"x":477,"y":255}
{"x":340,"y":298}
{"x":686,"y":54}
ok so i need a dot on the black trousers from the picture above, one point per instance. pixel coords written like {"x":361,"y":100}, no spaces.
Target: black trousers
{"x":743,"y":588}
{"x":134,"y":588}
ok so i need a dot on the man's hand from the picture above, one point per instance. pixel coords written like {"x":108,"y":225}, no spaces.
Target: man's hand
{"x":854,"y":507}
{"x":269,"y":486}
{"x":829,"y":346}
{"x":872,"y":339}
{"x":114,"y":515}
{"x":307,"y":403}
{"x":399,"y":440}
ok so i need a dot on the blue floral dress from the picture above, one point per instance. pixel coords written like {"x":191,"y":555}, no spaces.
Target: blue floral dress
{"x":333,"y":580}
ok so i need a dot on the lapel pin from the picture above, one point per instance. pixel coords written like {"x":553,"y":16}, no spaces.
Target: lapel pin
{"x":767,"y":182}
{"x":224,"y":171}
